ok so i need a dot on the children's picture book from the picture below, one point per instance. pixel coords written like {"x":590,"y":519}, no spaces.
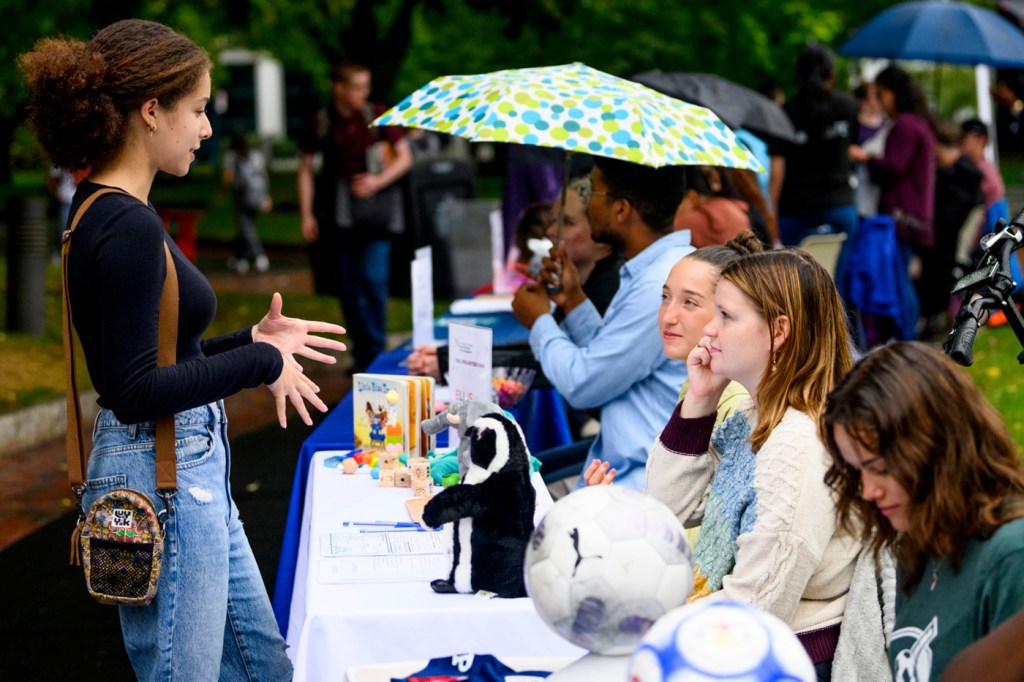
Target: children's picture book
{"x":387,"y":411}
{"x":426,"y":411}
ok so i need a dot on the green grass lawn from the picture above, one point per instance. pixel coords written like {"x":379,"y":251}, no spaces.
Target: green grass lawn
{"x":999,"y":376}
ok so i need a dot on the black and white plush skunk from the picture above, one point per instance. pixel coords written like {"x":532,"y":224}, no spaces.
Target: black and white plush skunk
{"x":491,"y":512}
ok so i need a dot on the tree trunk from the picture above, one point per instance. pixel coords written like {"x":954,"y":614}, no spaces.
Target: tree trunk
{"x":382,"y":54}
{"x":7,"y":125}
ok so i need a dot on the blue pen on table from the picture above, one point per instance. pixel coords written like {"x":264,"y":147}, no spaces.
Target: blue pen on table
{"x":378,"y":526}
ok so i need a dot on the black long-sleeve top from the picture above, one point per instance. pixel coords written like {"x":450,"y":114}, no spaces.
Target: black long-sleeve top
{"x":116,"y":270}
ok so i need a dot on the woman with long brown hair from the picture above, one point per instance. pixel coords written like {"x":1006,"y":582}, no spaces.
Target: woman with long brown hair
{"x":923,"y":466}
{"x":768,"y":535}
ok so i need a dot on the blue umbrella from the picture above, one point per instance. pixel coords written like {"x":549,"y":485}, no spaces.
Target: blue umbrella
{"x":939,"y":31}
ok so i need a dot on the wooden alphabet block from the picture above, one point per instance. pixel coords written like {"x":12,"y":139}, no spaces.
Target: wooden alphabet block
{"x":387,"y":478}
{"x":420,"y":467}
{"x":388,"y":461}
{"x":422,"y":487}
{"x":403,"y":478}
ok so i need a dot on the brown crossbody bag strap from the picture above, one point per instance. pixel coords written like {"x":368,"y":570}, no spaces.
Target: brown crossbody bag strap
{"x":167,"y":339}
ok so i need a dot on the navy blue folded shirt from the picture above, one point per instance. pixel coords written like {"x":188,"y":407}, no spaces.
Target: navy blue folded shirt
{"x":471,"y":668}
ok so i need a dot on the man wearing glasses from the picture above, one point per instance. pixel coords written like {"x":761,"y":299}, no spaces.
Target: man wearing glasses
{"x":615,"y":363}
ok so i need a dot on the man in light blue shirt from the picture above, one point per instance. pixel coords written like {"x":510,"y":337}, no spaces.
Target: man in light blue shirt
{"x":616,"y":363}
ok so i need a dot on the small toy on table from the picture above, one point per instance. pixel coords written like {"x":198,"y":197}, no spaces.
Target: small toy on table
{"x":388,"y":464}
{"x":422,"y":487}
{"x":491,"y":512}
{"x":421,"y":483}
{"x":460,"y":415}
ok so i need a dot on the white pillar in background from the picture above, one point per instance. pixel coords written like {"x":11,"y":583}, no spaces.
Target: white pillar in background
{"x":268,"y":79}
{"x":982,"y":86}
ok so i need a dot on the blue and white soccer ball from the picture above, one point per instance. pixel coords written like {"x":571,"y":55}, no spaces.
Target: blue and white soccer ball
{"x":723,"y":641}
{"x":604,"y":564}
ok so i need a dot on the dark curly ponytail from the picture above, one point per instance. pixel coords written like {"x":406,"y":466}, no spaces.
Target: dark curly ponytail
{"x":82,"y":94}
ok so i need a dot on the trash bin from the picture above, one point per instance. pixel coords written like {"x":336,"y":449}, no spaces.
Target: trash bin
{"x":26,"y":264}
{"x":429,"y":183}
{"x":464,"y":225}
{"x":181,"y":222}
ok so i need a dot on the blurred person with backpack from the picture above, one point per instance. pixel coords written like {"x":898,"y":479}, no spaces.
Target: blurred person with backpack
{"x":352,"y":206}
{"x":245,"y":171}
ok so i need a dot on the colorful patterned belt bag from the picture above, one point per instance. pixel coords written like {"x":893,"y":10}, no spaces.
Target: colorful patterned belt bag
{"x":120,"y":540}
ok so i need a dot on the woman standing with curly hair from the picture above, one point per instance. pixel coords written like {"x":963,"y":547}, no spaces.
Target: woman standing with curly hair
{"x":127,"y":104}
{"x":922,"y":465}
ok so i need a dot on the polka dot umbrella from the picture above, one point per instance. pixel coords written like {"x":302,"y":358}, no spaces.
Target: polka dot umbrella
{"x":575,"y":108}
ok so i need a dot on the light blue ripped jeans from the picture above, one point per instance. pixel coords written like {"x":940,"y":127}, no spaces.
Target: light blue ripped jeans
{"x":211,"y":619}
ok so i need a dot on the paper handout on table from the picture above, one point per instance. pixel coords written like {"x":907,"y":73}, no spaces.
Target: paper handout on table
{"x":485,"y":303}
{"x":381,"y":569}
{"x":422,"y":283}
{"x":381,"y":543}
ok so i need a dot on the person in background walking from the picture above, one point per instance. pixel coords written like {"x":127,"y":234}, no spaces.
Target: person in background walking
{"x":958,"y":191}
{"x":816,"y":193}
{"x":972,"y":144}
{"x":61,"y":184}
{"x":352,"y":207}
{"x":245,"y":171}
{"x":905,"y":173}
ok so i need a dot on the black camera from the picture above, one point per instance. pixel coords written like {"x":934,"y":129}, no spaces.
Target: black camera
{"x":989,"y":287}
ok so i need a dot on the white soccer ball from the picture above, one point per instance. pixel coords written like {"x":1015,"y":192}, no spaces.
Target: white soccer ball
{"x":604,"y":564}
{"x":723,"y":641}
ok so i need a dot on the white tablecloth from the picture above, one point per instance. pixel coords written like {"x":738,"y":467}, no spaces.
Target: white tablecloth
{"x":334,"y":626}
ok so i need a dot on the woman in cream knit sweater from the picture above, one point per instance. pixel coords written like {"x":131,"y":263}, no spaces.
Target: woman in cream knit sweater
{"x":769,"y":535}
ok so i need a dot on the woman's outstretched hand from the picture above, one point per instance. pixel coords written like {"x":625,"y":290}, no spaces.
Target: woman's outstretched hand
{"x":295,"y":387}
{"x":293,"y":336}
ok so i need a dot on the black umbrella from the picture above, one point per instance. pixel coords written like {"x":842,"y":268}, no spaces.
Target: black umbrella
{"x":738,"y":106}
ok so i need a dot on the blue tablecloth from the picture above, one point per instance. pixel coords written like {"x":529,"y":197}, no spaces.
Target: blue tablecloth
{"x":541,"y":413}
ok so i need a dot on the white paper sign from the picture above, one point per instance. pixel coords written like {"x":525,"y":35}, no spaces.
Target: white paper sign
{"x":422,"y":279}
{"x":423,"y":252}
{"x":469,"y":365}
{"x":498,"y":279}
